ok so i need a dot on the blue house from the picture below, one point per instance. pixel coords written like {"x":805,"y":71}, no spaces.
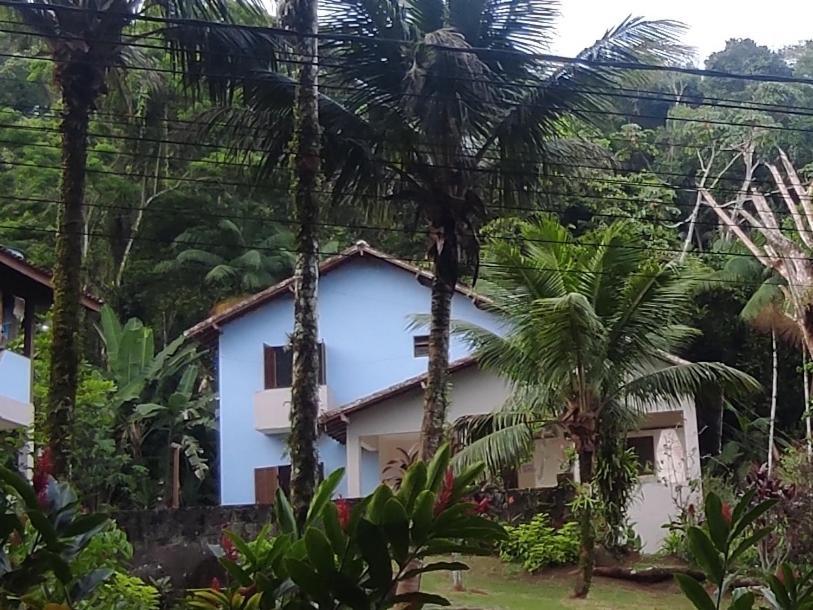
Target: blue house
{"x":367,"y":301}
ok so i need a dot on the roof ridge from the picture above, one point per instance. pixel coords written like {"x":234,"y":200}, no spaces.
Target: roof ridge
{"x":359,"y":248}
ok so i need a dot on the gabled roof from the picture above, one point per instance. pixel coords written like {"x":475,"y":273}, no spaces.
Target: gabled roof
{"x":334,"y":421}
{"x":358,"y":250}
{"x":36,"y":276}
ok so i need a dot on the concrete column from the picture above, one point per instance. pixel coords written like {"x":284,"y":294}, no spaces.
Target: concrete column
{"x":353,"y":446}
{"x":692,"y":441}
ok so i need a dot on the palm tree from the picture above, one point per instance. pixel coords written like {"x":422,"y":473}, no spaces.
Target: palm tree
{"x":442,"y":106}
{"x":86,"y":41}
{"x":591,"y":335}
{"x":239,"y":263}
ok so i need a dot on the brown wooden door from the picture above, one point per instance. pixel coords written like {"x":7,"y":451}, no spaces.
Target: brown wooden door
{"x":266,"y":482}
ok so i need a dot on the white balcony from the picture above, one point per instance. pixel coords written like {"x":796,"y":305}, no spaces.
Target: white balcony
{"x":15,"y":391}
{"x":272,"y":409}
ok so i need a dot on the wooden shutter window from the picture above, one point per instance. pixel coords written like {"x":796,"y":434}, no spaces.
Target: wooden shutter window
{"x":269,"y":367}
{"x":266,"y":481}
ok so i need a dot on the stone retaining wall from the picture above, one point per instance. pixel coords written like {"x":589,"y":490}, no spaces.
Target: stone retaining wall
{"x":175,"y":543}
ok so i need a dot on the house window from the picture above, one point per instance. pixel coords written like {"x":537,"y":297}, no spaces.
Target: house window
{"x":279,"y":366}
{"x":268,"y":480}
{"x":420,"y":345}
{"x":644,"y":449}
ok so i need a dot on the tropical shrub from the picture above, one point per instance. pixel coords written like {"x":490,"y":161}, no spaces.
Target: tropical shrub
{"x":538,"y":545}
{"x":110,"y":549}
{"x":726,"y":536}
{"x":42,"y":533}
{"x":356,"y":557}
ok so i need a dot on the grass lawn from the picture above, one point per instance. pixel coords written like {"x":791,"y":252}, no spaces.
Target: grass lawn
{"x":493,"y":585}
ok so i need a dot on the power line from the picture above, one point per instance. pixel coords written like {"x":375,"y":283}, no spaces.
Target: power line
{"x":483,"y":264}
{"x":471,"y":50}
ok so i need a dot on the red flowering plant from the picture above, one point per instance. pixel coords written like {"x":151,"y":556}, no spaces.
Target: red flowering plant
{"x":354,"y":557}
{"x":42,"y":531}
{"x":728,"y":533}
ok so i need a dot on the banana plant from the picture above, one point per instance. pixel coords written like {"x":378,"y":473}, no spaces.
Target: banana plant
{"x":356,"y":557}
{"x":160,"y":395}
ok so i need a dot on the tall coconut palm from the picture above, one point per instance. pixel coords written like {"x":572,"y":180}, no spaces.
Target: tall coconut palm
{"x":442,"y":106}
{"x":591,"y":332}
{"x":86,"y":41}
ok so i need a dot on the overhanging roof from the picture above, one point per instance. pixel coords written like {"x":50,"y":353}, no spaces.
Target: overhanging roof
{"x":37,"y":280}
{"x":359,"y":249}
{"x":334,"y":422}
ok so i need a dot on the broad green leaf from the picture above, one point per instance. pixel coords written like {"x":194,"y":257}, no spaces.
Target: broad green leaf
{"x":396,"y":527}
{"x":717,"y":525}
{"x":244,"y":548}
{"x":749,"y":542}
{"x":20,"y":485}
{"x":323,"y":494}
{"x":44,"y":527}
{"x":706,"y":554}
{"x":285,"y":514}
{"x":348,"y":592}
{"x":695,"y":592}
{"x":333,"y":529}
{"x":83,"y":524}
{"x":745,"y":601}
{"x":422,"y":516}
{"x":320,"y":553}
{"x":373,"y":547}
{"x":466,"y":478}
{"x":438,"y":566}
{"x":437,"y":468}
{"x":752,"y":515}
{"x":86,"y":585}
{"x":742,"y":506}
{"x":375,"y":510}
{"x":239,"y":575}
{"x":413,"y":483}
{"x":304,"y":576}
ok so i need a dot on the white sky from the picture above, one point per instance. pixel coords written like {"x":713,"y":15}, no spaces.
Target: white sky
{"x":711,"y":22}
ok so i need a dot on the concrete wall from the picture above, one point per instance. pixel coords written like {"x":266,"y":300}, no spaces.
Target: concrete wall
{"x":395,"y":422}
{"x":15,"y":390}
{"x":365,"y":309}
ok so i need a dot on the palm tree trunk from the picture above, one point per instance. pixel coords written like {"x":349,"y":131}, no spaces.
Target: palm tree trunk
{"x":806,"y":386}
{"x":587,"y":534}
{"x":67,"y":279}
{"x":305,"y":387}
{"x":774,"y":383}
{"x":436,"y":401}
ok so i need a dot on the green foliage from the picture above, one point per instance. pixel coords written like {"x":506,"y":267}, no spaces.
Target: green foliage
{"x":42,"y":535}
{"x":161,"y":399}
{"x":355,"y":558}
{"x":538,"y":545}
{"x":789,"y":590}
{"x":729,"y":532}
{"x":101,"y":471}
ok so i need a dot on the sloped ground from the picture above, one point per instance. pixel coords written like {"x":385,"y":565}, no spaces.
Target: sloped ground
{"x":493,"y":585}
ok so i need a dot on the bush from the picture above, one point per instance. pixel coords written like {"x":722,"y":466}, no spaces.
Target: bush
{"x":110,"y":549}
{"x":538,"y":545}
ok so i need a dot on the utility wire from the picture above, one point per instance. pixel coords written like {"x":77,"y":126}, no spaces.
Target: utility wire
{"x":547,"y":57}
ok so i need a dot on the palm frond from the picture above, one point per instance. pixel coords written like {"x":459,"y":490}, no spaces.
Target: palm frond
{"x":193,"y":256}
{"x":685,"y":379}
{"x":574,"y":90}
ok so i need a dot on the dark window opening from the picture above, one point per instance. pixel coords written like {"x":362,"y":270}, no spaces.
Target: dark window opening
{"x":268,"y":480}
{"x":420,"y":345}
{"x":644,"y":449}
{"x":279,"y":366}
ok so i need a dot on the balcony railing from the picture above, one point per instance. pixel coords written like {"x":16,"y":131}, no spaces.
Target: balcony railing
{"x":272,"y":408}
{"x":15,"y":390}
